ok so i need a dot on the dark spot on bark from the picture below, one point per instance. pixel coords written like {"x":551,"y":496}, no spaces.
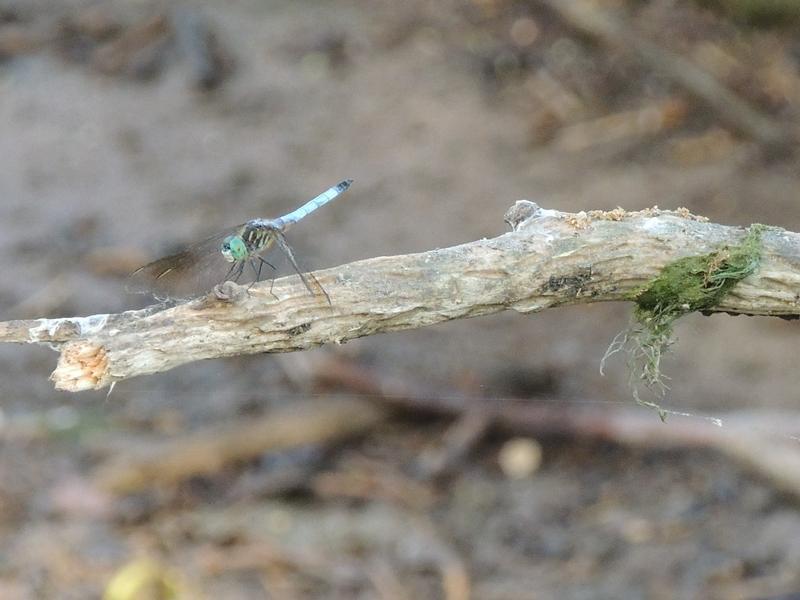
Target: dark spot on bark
{"x":573,"y":282}
{"x":300,"y":329}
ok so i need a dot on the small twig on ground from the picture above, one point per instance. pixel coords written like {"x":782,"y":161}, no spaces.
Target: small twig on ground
{"x":650,"y":120}
{"x":208,"y":451}
{"x":137,"y":51}
{"x":370,"y":484}
{"x":459,"y":439}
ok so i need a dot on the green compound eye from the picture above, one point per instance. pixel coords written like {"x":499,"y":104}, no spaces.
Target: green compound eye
{"x":233,"y":248}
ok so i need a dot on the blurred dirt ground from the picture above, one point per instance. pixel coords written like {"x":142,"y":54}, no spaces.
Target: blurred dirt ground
{"x":130,"y":128}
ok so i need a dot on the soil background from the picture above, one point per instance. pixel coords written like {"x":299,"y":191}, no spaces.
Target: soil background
{"x":442,"y":114}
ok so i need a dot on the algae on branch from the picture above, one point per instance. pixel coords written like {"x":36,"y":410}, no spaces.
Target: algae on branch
{"x":686,"y":285}
{"x":700,"y":282}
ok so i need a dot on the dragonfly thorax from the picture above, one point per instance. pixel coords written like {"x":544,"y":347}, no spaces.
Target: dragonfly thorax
{"x":234,"y":249}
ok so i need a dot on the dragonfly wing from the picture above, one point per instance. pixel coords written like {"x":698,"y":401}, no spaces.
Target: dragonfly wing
{"x":312,"y":285}
{"x":187,"y":273}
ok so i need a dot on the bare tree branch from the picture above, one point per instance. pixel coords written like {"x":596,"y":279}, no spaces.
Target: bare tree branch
{"x":550,"y":259}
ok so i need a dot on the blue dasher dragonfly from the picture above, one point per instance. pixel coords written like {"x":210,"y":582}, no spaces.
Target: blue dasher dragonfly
{"x":200,"y":266}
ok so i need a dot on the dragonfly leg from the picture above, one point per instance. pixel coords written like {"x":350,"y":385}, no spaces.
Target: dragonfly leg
{"x":316,"y":284}
{"x":265,"y":262}
{"x":229,"y":273}
{"x":271,"y":285}
{"x":316,"y":289}
{"x":261,"y":263}
{"x":239,"y":271}
{"x":257,"y":270}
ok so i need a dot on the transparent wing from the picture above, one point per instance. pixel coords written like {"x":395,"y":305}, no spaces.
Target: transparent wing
{"x":193,"y":271}
{"x":308,"y":279}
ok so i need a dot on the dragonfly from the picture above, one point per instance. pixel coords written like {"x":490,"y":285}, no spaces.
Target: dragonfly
{"x":198,"y":267}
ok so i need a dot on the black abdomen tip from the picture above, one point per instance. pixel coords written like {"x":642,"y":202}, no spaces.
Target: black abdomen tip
{"x":342,"y":186}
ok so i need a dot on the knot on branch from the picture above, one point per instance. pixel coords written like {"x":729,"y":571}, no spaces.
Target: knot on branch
{"x":523,"y":210}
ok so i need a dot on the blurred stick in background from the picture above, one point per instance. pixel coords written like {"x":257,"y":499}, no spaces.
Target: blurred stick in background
{"x":613,"y":31}
{"x":765,"y":442}
{"x":550,"y":259}
{"x":206,"y":452}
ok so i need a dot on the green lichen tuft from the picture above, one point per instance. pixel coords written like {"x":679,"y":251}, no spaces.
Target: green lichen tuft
{"x":700,"y":282}
{"x":690,"y":284}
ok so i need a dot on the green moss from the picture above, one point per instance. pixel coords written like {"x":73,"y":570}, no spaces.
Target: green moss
{"x":700,"y":282}
{"x":689,"y":284}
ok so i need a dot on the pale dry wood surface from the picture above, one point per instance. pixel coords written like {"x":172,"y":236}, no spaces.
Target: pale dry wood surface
{"x":550,"y":259}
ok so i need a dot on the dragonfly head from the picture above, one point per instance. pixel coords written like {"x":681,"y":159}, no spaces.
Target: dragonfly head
{"x":233,"y":248}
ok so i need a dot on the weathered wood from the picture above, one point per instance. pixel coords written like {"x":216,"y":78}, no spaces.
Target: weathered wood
{"x":550,"y":259}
